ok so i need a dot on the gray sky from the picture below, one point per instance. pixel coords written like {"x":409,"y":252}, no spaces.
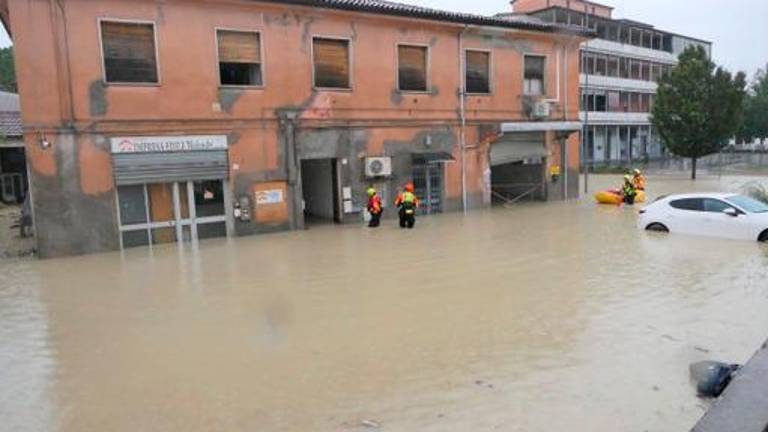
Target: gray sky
{"x":737,"y":27}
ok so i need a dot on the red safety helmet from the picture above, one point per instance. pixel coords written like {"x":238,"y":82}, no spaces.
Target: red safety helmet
{"x":409,"y":187}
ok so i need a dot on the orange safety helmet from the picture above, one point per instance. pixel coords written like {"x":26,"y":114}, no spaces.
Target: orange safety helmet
{"x":409,"y":187}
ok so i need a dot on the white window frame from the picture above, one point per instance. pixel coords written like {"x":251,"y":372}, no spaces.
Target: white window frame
{"x":261,"y":52}
{"x":543,"y":79}
{"x":491,"y":80}
{"x":350,"y":64}
{"x":101,"y":20}
{"x":428,"y":72}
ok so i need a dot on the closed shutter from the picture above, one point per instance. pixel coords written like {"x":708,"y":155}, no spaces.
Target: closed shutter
{"x":478,"y":72}
{"x":239,"y":47}
{"x":412,"y":61}
{"x":138,"y":168}
{"x":129,"y":52}
{"x":331,"y":59}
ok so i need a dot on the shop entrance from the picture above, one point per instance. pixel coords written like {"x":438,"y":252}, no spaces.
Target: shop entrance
{"x":183,"y":211}
{"x":517,"y":168}
{"x":320,"y":191}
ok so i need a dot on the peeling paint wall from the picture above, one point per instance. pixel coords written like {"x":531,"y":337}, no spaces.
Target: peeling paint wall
{"x":270,"y":128}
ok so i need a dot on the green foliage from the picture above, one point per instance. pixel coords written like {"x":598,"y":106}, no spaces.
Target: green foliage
{"x":7,"y":72}
{"x":756,"y":109}
{"x":699,"y":106}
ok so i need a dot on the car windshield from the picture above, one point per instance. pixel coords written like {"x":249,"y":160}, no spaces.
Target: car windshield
{"x":749,"y":204}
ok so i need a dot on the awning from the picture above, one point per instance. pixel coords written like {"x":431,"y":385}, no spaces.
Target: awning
{"x":425,"y":158}
{"x":516,"y":147}
{"x":564,"y":126}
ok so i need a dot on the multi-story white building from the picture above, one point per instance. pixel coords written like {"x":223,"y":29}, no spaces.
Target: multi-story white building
{"x":619,"y":70}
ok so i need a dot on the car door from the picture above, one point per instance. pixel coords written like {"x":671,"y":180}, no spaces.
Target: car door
{"x":686,"y":216}
{"x":720,"y":224}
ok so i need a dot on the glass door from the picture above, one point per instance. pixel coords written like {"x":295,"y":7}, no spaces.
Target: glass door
{"x":159,"y":213}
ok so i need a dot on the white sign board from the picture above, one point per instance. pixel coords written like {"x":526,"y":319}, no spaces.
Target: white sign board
{"x":167,"y":144}
{"x":270,"y":196}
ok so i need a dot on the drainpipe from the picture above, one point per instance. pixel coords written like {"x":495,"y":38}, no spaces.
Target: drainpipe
{"x":565,"y":118}
{"x":463,"y":120}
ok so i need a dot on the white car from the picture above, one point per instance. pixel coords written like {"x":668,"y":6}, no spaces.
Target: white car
{"x":713,"y":214}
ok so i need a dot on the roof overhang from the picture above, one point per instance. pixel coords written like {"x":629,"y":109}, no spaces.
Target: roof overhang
{"x":561,"y":126}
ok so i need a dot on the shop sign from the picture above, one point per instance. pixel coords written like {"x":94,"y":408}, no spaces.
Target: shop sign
{"x":270,"y":196}
{"x":168,"y":144}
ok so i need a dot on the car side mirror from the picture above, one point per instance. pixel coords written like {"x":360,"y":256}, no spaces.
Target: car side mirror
{"x":731,"y":212}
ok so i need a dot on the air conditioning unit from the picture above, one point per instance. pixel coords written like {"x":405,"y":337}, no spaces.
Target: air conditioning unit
{"x":540,"y":110}
{"x":378,"y":166}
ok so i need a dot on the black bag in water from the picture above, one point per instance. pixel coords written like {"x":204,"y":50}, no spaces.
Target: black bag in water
{"x":712,"y":377}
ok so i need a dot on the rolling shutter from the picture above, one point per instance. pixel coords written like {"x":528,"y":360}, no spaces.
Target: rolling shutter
{"x":516,"y":147}
{"x":141,"y":168}
{"x":412,"y":67}
{"x":331,"y":58}
{"x":129,"y":52}
{"x":239,"y":47}
{"x":478,"y":72}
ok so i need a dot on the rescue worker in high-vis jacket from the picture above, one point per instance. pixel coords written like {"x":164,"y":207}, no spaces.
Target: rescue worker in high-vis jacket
{"x":638,"y":179}
{"x":628,"y":190}
{"x":374,"y":208}
{"x":407,"y":203}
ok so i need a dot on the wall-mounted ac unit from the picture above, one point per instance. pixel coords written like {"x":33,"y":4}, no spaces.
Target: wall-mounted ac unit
{"x":378,"y":166}
{"x":540,"y":110}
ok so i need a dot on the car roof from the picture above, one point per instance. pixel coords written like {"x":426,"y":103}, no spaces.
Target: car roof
{"x":716,"y":195}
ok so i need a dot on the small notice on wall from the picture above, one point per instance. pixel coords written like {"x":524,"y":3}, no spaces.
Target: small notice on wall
{"x":269,"y":196}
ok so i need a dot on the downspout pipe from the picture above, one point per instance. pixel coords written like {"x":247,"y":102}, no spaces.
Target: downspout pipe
{"x":462,"y":120}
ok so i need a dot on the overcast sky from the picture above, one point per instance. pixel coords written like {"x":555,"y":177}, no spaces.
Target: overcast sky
{"x":738,"y":28}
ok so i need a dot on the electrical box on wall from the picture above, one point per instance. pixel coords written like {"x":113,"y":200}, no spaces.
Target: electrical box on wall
{"x":378,"y":167}
{"x":541,"y":110}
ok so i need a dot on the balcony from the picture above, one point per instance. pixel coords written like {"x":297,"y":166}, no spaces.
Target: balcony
{"x":610,"y":47}
{"x":612,"y":83}
{"x":623,"y":118}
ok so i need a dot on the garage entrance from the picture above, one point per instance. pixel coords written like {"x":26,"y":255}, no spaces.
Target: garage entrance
{"x":320,"y":191}
{"x":518,"y":163}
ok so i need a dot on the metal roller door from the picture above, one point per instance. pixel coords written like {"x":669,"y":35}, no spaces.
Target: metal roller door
{"x":516,"y":147}
{"x":138,"y":168}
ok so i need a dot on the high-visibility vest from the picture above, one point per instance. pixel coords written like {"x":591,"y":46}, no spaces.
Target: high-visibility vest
{"x":409,"y":197}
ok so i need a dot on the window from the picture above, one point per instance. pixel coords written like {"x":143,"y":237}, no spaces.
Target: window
{"x":601,"y":102}
{"x":749,"y":204}
{"x":693,"y":204}
{"x":634,"y":102}
{"x":715,"y":205}
{"x":331,"y":63}
{"x":646,"y":71}
{"x":239,"y":58}
{"x":645,"y":102}
{"x":129,"y":52}
{"x":613,"y":66}
{"x":623,"y":67}
{"x":601,"y":67}
{"x":614,"y":101}
{"x":655,"y":72}
{"x":534,"y":75}
{"x":634,"y":69}
{"x":478,"y":72}
{"x":412,"y":68}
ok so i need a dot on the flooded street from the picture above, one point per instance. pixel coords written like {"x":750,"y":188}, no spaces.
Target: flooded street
{"x":541,"y":317}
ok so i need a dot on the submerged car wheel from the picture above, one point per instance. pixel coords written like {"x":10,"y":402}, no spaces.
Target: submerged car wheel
{"x":657,"y":227}
{"x":763,"y":237}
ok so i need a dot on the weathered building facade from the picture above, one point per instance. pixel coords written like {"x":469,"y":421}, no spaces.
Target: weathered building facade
{"x":149,"y":122}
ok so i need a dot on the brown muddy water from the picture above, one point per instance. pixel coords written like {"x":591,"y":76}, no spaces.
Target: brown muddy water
{"x":542,"y":317}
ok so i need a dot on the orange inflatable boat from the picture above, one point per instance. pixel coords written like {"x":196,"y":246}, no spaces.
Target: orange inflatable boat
{"x":614,"y":197}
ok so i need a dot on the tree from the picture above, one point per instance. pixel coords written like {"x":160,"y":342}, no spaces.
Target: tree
{"x":756,"y":108}
{"x":699,"y":106}
{"x":7,"y":72}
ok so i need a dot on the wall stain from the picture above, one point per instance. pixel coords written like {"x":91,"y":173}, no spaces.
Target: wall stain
{"x":97,"y":98}
{"x":228,"y":98}
{"x":305,"y":33}
{"x":395,"y":97}
{"x":354,"y":30}
{"x":160,"y":12}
